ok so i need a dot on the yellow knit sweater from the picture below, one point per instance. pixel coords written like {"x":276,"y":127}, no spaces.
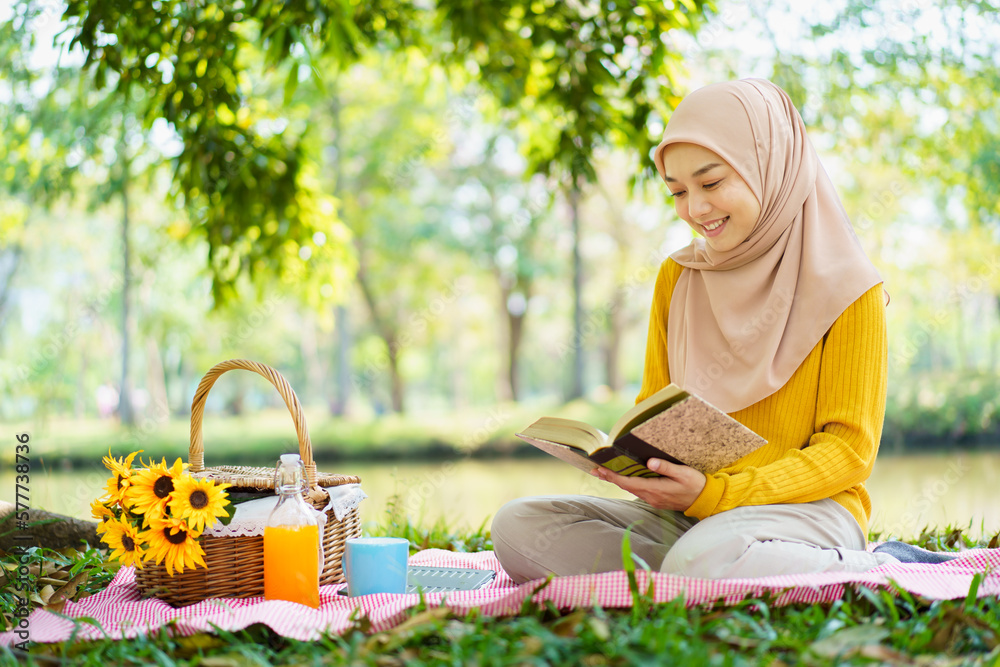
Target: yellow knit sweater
{"x":822,"y":428}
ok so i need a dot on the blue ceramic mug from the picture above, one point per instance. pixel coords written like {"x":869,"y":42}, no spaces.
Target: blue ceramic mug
{"x":375,"y":565}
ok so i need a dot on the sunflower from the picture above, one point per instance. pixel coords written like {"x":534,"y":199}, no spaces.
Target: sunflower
{"x":170,"y":539}
{"x":150,"y":489}
{"x":121,"y":476}
{"x":198,"y":500}
{"x":125,"y":542}
{"x":100,"y":512}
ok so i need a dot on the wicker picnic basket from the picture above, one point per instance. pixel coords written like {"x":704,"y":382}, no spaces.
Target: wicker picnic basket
{"x":236,"y":564}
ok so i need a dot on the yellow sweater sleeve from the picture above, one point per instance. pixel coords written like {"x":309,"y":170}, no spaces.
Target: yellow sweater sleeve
{"x":823,"y":427}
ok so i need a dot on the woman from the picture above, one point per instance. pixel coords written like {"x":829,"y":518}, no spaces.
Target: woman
{"x":777,"y":317}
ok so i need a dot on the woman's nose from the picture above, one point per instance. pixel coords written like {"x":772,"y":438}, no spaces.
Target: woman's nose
{"x":698,"y":205}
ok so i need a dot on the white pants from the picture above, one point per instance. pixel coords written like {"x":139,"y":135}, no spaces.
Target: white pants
{"x":563,"y":535}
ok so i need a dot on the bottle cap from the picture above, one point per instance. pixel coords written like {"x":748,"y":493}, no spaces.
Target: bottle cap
{"x":289,"y":459}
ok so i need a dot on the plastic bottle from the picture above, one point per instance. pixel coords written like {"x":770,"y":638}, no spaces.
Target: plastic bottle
{"x":292,"y":558}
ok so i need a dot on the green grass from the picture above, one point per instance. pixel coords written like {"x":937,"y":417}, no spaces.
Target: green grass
{"x":864,"y":627}
{"x":859,"y":629}
{"x":929,"y":411}
{"x":257,"y":438}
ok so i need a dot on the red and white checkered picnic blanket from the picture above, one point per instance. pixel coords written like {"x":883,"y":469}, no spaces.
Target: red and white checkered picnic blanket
{"x":121,"y":612}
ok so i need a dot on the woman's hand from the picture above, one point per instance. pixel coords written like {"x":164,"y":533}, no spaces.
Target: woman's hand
{"x":677,"y":490}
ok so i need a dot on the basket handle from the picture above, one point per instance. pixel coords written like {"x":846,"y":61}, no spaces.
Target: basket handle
{"x":196,"y":452}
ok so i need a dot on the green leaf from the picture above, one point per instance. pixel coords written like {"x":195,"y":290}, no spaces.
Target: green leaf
{"x":291,"y":82}
{"x":628,"y":564}
{"x":849,"y":640}
{"x":528,"y":603}
{"x":972,"y":597}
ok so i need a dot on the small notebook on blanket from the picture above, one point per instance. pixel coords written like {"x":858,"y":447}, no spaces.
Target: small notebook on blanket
{"x":426,"y":579}
{"x":439,"y":579}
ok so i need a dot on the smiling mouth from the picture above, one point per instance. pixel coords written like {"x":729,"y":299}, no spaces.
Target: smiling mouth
{"x":715,"y":225}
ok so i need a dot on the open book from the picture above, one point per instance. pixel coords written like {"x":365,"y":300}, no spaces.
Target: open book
{"x":672,"y":425}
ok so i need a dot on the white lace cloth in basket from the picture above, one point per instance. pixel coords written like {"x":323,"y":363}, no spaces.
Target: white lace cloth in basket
{"x":251,"y":516}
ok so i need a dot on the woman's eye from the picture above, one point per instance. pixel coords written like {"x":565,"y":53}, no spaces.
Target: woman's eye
{"x":676,"y":194}
{"x":709,"y":186}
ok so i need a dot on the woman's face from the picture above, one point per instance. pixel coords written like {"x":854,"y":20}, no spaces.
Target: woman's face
{"x":710,"y":195}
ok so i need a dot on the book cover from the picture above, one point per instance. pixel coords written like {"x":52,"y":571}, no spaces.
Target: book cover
{"x":673,"y":425}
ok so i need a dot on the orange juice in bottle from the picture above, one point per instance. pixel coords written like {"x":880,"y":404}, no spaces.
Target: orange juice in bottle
{"x":291,"y":539}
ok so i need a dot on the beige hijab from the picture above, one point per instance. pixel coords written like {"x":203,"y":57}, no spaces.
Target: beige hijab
{"x":742,"y":321}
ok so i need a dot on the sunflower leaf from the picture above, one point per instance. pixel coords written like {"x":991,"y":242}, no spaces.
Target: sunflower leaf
{"x":233,"y":502}
{"x":230,"y":513}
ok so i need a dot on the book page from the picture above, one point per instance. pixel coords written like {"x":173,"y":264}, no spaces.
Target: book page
{"x":568,"y":432}
{"x":608,"y":457}
{"x":571,"y":456}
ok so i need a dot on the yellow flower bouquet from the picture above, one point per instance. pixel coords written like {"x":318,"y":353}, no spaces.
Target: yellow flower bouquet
{"x":157,"y":513}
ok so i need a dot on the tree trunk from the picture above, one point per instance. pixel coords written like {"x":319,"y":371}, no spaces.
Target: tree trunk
{"x":509,"y":383}
{"x":125,"y":394}
{"x":994,"y":341}
{"x":235,"y":403}
{"x":515,"y":327}
{"x":6,"y":285}
{"x":314,"y":362}
{"x":183,"y":386}
{"x":80,"y":399}
{"x":616,"y":313}
{"x":396,"y":389}
{"x":53,"y":531}
{"x":386,"y":331}
{"x":961,"y":348}
{"x":457,"y":366}
{"x":506,"y":381}
{"x":156,"y":381}
{"x":612,"y":351}
{"x":342,"y":391}
{"x":576,"y":387}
